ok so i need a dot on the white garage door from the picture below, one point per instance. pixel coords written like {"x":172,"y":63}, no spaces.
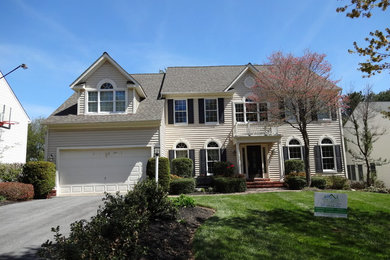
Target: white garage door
{"x":99,"y":170}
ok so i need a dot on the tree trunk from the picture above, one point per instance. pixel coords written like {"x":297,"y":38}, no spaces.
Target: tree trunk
{"x":306,"y":157}
{"x":368,"y":172}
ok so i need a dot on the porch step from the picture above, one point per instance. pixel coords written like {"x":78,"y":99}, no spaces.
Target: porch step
{"x":264,"y":184}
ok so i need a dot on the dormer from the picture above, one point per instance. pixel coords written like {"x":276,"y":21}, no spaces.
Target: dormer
{"x":106,"y":88}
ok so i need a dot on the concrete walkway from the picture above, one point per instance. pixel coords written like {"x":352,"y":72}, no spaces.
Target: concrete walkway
{"x":24,"y":226}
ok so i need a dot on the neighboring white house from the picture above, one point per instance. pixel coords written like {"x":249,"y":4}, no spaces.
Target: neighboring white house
{"x":381,"y":147}
{"x":13,"y":141}
{"x":102,"y":136}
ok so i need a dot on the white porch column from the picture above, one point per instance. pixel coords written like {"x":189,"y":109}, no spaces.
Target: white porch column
{"x":238,"y":156}
{"x":281,"y":164}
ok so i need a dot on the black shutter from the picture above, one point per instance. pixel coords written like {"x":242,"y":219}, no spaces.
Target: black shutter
{"x":349,"y":172}
{"x":318,"y":159}
{"x":221,"y":110}
{"x":334,"y":114}
{"x":314,"y":115}
{"x":192,"y":157}
{"x":285,"y":153}
{"x":203,"y":170}
{"x":303,"y":152}
{"x":339,"y":163}
{"x":201,"y":110}
{"x":281,"y":109}
{"x":223,"y":155}
{"x":360,"y":171}
{"x":190,"y":103}
{"x":171,"y":155}
{"x":170,"y":111}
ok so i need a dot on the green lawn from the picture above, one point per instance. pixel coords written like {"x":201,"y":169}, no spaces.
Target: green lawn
{"x":282,"y":226}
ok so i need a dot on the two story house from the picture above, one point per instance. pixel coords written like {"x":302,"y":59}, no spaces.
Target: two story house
{"x":103,"y":135}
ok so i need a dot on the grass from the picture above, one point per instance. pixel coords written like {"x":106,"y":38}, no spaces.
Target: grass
{"x":282,"y":226}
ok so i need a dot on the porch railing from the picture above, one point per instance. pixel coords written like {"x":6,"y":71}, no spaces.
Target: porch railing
{"x":254,"y":129}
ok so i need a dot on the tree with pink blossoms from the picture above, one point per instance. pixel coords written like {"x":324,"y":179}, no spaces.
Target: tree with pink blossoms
{"x":299,"y":90}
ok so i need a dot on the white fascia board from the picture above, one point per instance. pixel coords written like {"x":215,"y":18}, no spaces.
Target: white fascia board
{"x":248,"y":67}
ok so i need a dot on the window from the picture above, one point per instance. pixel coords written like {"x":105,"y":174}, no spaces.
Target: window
{"x":211,"y":110}
{"x":181,"y":150}
{"x":180,"y":111}
{"x":295,"y":149}
{"x":328,"y":155}
{"x":324,"y":115}
{"x":212,"y":156}
{"x":251,"y":111}
{"x":106,"y":99}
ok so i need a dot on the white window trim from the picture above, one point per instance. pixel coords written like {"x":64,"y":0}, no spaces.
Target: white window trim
{"x":294,"y":145}
{"x":334,"y":155}
{"x":207,"y":156}
{"x":98,"y":90}
{"x":181,"y":140}
{"x":174,"y":112}
{"x":204,"y":106}
{"x":258,"y":113}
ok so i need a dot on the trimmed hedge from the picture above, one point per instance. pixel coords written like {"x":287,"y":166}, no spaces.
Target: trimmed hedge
{"x":163,"y":171}
{"x":295,"y":182}
{"x":204,"y":181}
{"x":225,"y":169}
{"x":10,"y":172}
{"x":294,"y":166}
{"x":229,"y":185}
{"x":41,"y":175}
{"x":318,"y":182}
{"x":16,"y":191}
{"x":182,"y":186}
{"x":182,"y":167}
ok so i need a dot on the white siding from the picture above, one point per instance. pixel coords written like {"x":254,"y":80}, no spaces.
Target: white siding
{"x":81,"y":103}
{"x":13,"y":142}
{"x":100,"y":138}
{"x":107,"y":71}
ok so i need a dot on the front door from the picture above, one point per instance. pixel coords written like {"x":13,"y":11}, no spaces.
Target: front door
{"x":254,"y":161}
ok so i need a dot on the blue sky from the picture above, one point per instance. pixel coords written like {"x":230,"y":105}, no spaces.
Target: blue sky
{"x":58,"y":40}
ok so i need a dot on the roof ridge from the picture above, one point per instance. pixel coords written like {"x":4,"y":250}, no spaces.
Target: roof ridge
{"x":151,"y":73}
{"x":207,"y":66}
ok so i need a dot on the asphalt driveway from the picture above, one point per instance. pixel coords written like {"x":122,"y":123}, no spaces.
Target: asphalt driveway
{"x":25,"y":226}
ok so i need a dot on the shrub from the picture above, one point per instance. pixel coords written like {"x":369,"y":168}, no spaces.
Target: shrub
{"x":182,"y":167}
{"x":376,"y":189}
{"x":174,"y":177}
{"x":2,"y":198}
{"x":226,"y":169}
{"x":336,"y":182}
{"x":204,"y":181}
{"x":295,"y":182}
{"x":379,"y":184}
{"x":16,"y":191}
{"x":294,"y":166}
{"x":301,"y":174}
{"x":41,"y":175}
{"x":10,"y":172}
{"x":116,"y":232}
{"x":184,"y":201}
{"x":358,"y":185}
{"x":318,"y":182}
{"x":182,"y":186}
{"x":229,"y":185}
{"x":163,"y":171}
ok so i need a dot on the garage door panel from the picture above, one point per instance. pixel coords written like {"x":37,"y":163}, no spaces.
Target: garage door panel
{"x":102,"y":166}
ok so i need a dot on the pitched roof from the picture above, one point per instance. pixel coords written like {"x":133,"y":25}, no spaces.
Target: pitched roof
{"x":149,"y":109}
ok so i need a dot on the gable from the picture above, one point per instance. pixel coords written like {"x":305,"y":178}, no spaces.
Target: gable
{"x":8,"y":98}
{"x":241,"y":87}
{"x":105,"y":72}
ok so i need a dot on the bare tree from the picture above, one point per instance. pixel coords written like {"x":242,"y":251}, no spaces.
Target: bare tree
{"x":365,"y":132}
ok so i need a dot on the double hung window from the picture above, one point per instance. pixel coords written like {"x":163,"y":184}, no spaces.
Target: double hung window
{"x":251,"y":111}
{"x":106,"y":99}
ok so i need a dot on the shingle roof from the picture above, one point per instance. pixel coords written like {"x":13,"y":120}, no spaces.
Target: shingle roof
{"x":210,"y":79}
{"x":149,"y":109}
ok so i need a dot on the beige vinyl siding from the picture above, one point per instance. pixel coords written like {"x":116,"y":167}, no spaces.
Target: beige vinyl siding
{"x":81,"y":103}
{"x":198,"y":134}
{"x":100,"y":138}
{"x":108,"y":71}
{"x":136,"y":103}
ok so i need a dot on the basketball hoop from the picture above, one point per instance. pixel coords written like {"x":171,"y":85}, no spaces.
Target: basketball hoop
{"x":7,"y":124}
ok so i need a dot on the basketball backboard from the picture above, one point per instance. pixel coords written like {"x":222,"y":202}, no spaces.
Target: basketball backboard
{"x":5,"y":116}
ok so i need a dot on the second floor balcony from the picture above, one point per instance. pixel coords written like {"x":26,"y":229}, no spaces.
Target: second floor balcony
{"x":254,"y":129}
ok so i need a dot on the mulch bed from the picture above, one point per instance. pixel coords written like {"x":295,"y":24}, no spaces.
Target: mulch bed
{"x":173,"y":239}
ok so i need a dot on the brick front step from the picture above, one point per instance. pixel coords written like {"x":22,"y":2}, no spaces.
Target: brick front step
{"x":264,"y":184}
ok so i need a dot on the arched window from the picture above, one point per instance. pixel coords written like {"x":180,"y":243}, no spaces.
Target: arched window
{"x":212,"y":156}
{"x":106,"y":99}
{"x":181,"y":150}
{"x":295,"y":149}
{"x":328,"y":154}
